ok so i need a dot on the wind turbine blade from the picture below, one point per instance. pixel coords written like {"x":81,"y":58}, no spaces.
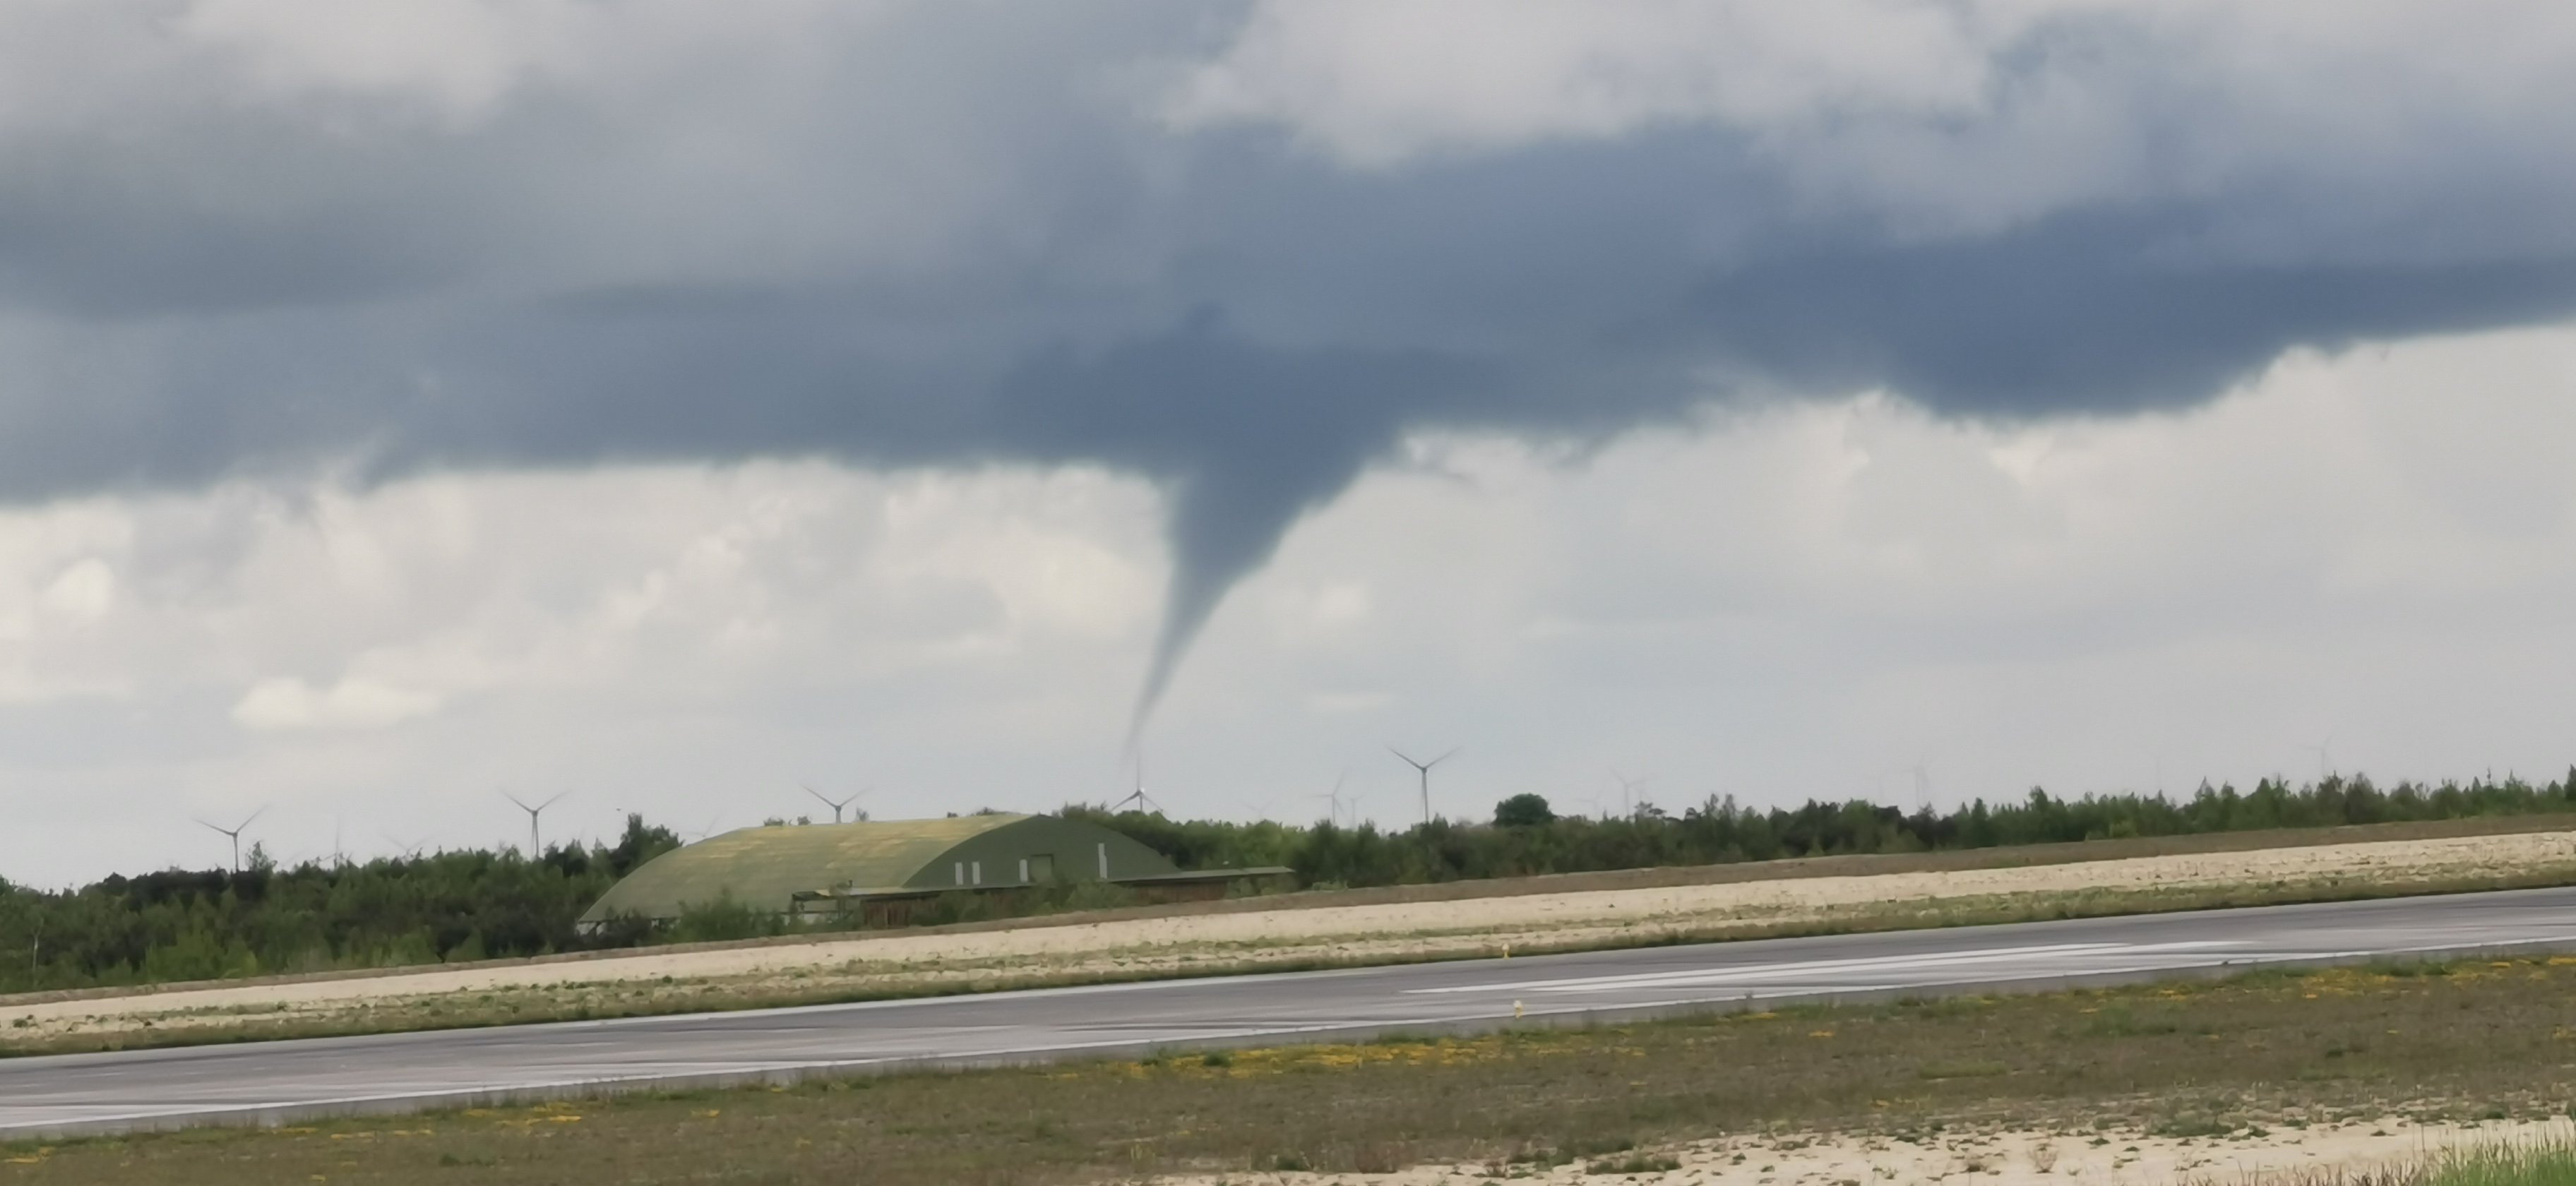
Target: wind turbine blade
{"x":514,"y":799}
{"x":254,"y":818}
{"x":551,"y":802}
{"x":1453,"y":752}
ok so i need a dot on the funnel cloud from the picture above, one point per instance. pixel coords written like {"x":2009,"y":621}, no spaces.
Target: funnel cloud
{"x":1197,"y":246}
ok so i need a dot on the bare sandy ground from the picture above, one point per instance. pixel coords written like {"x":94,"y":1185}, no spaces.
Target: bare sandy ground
{"x":1245,"y":940}
{"x":2111,"y":1157}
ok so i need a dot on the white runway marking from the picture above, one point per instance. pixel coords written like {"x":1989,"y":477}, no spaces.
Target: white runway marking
{"x":1931,"y":962}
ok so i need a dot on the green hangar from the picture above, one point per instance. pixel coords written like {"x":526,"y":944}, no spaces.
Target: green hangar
{"x":881,"y":869}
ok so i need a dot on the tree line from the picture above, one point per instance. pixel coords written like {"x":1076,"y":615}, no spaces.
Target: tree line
{"x":1527,"y":837}
{"x":475,"y":904}
{"x":390,"y":912}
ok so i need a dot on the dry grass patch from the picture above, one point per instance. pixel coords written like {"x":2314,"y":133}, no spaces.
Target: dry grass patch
{"x":2199,"y":1062}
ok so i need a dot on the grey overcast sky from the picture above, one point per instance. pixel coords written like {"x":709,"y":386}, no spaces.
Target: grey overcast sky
{"x":672,"y":403}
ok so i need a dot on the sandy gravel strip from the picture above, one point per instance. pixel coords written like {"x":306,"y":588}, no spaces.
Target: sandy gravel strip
{"x":2110,"y":1157}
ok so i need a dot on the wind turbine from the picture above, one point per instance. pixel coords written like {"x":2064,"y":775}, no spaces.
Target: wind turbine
{"x":837,"y":806}
{"x":1424,"y":769}
{"x":532,"y":817}
{"x":234,"y":834}
{"x":1137,"y":796}
{"x":411,"y":852}
{"x":1333,"y":801}
{"x":1628,"y":785}
{"x":2324,"y":750}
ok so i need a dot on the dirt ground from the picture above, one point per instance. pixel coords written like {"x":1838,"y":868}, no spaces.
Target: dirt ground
{"x":1244,"y":940}
{"x":1994,"y":1157}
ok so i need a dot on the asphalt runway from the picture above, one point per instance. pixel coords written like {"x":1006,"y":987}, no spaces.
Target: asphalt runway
{"x":276,"y":1082}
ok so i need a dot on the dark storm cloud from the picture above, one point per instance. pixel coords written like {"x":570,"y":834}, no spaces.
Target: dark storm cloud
{"x":2087,"y":314}
{"x":1245,"y":324}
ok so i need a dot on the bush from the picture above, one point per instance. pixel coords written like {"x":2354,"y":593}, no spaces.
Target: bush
{"x":723,"y":920}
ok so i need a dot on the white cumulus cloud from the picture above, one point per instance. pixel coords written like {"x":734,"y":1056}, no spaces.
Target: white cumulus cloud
{"x":84,"y":592}
{"x":349,"y":704}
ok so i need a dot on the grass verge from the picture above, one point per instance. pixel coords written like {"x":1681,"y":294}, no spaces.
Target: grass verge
{"x":2551,"y":1163}
{"x":2450,"y":1041}
{"x":2547,"y":1162}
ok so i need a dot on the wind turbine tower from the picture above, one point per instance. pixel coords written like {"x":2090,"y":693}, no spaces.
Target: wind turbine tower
{"x":533,"y":812}
{"x":1423,"y":769}
{"x":2324,"y":750}
{"x":1333,"y":801}
{"x":1137,"y":796}
{"x":1627,"y":789}
{"x":234,"y":834}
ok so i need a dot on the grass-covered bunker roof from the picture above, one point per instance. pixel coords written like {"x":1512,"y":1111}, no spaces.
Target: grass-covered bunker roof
{"x":766,"y":868}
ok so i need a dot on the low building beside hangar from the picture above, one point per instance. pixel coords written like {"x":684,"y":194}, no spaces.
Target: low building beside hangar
{"x":882,"y":871}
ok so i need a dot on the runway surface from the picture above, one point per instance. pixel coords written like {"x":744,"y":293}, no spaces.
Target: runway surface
{"x":274,"y":1082}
